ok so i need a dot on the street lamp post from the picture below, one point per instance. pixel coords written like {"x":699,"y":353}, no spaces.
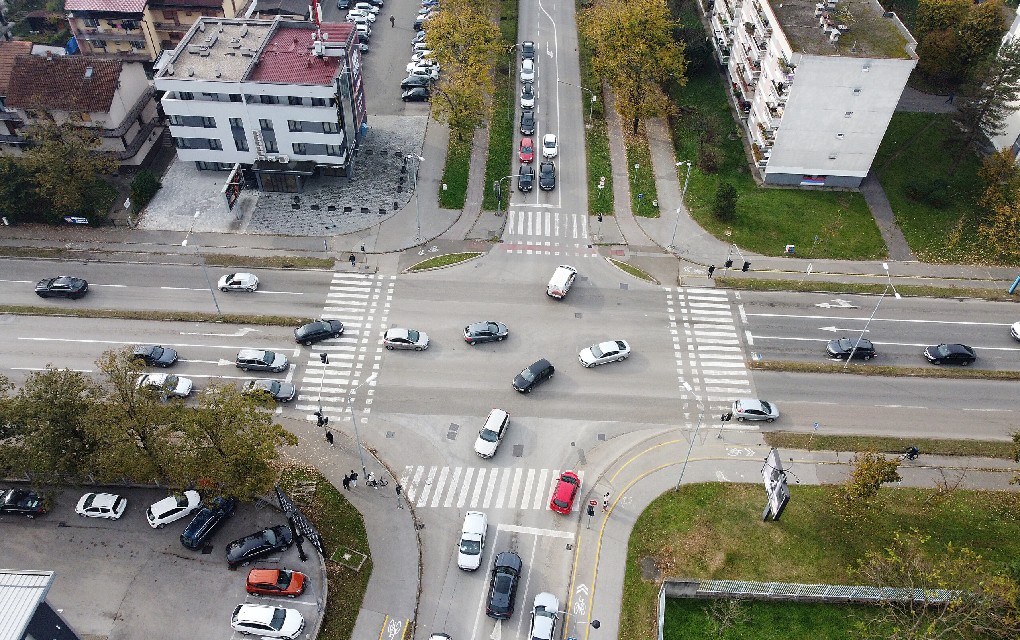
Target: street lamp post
{"x":683,"y":193}
{"x":694,"y":437}
{"x":354,"y":419}
{"x":499,"y":198}
{"x":591,"y":104}
{"x":414,"y":185}
{"x":890,"y":285}
{"x":201,"y":262}
{"x":896,"y":294}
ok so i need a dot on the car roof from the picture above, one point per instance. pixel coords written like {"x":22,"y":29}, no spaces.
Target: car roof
{"x":496,"y":416}
{"x":475,"y":521}
{"x":397,"y":332}
{"x":750,"y":403}
{"x":538,"y":365}
{"x":259,"y":613}
{"x":263,"y":575}
{"x":508,"y":559}
{"x":250,"y":353}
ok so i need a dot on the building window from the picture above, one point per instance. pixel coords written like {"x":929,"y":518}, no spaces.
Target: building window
{"x":236,"y":123}
{"x":129,"y":25}
{"x":300,"y":148}
{"x":181,"y":143}
{"x":215,"y":145}
{"x":138,"y":45}
{"x":265,"y":125}
{"x":294,"y":101}
{"x":99,"y":44}
{"x":295,"y":125}
{"x":185,"y":95}
{"x":330,"y":127}
{"x":318,"y":102}
{"x":334,"y":150}
{"x":235,"y":97}
{"x":241,"y":144}
{"x":170,"y":15}
{"x":208,"y":123}
{"x":269,"y":100}
{"x":92,"y":23}
{"x":271,"y":147}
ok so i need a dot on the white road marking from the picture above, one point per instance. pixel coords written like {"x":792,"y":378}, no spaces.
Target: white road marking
{"x":534,"y":531}
{"x":865,"y":319}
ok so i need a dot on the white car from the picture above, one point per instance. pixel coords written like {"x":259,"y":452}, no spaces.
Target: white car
{"x":528,"y":95}
{"x":1015,"y":331}
{"x":423,"y":63}
{"x":267,"y":621}
{"x":357,"y":13}
{"x":167,"y":384}
{"x":424,"y":54}
{"x":239,"y":282}
{"x":754,"y":409}
{"x":366,"y":6}
{"x":603,"y":352}
{"x":432,"y":73}
{"x":420,"y":46}
{"x":550,"y":148}
{"x":397,"y":338}
{"x":492,"y":433}
{"x":101,"y":505}
{"x":472,"y":541}
{"x":527,"y":70}
{"x":173,"y":508}
{"x":363,"y":30}
{"x":544,"y":616}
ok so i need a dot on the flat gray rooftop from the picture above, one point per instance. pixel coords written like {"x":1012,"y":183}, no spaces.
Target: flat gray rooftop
{"x":224,"y":50}
{"x":868,"y":34}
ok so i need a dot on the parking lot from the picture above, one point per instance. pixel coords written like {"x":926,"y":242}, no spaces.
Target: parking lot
{"x":121,"y":579}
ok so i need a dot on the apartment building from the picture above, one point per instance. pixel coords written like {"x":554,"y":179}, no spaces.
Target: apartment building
{"x":1010,"y":137}
{"x":166,"y":21}
{"x":282,"y":98}
{"x":816,"y":83}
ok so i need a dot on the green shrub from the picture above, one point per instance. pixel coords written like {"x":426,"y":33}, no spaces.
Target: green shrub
{"x":143,"y":190}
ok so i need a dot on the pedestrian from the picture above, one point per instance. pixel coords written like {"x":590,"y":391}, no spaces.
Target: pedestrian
{"x":347,"y":482}
{"x":392,"y":21}
{"x":605,"y":503}
{"x":352,"y":259}
{"x":949,"y":100}
{"x":329,"y":437}
{"x":354,"y":480}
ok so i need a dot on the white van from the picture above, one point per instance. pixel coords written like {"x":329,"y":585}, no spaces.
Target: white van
{"x":561,"y":280}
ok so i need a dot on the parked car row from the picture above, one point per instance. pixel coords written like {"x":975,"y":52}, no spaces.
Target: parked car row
{"x":362,"y":15}
{"x":266,"y":620}
{"x":526,"y":173}
{"x":422,"y":70}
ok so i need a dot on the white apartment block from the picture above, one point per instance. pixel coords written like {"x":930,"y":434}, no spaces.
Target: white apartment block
{"x":1010,"y":137}
{"x":816,"y":83}
{"x":270,"y":95}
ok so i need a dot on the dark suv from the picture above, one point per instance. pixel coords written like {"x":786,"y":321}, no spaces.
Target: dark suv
{"x":842,"y":348}
{"x":154,"y":355}
{"x":206,"y":521}
{"x":506,"y":573}
{"x":259,"y":544}
{"x":528,"y":379}
{"x":318,"y":330}
{"x":527,"y":122}
{"x":62,"y":287}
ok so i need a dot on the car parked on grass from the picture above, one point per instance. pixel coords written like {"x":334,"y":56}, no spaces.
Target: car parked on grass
{"x":472,"y":541}
{"x":544,"y":617}
{"x":752,"y":409}
{"x":547,"y":175}
{"x":269,"y":540}
{"x":261,"y":360}
{"x":207,"y":520}
{"x":62,"y":287}
{"x":172,"y":508}
{"x":487,"y":331}
{"x":539,"y":372}
{"x":275,"y":582}
{"x":280,"y":390}
{"x":101,"y":505}
{"x":842,"y":348}
{"x":317,"y":331}
{"x":526,"y":152}
{"x":239,"y":282}
{"x":527,"y":122}
{"x":155,"y":355}
{"x":166,"y":385}
{"x":22,"y":503}
{"x":492,"y":433}
{"x":397,"y":338}
{"x":506,"y":574}
{"x":563,"y":495}
{"x":267,"y":621}
{"x":603,"y":352}
{"x":550,"y":147}
{"x":945,"y":353}
{"x":526,"y":178}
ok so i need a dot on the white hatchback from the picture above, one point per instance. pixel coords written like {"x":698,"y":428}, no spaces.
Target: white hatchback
{"x":527,"y":70}
{"x":492,"y":433}
{"x":239,"y":282}
{"x":550,"y":147}
{"x":266,"y":621}
{"x":172,"y":508}
{"x":472,"y":541}
{"x":101,"y":505}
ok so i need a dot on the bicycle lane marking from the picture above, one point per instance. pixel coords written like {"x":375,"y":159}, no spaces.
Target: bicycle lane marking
{"x":393,"y":628}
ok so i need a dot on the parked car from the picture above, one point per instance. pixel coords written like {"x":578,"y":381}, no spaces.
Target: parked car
{"x":267,"y":621}
{"x":544,"y":617}
{"x":550,"y":147}
{"x":261,"y":360}
{"x":422,"y":62}
{"x":492,"y":433}
{"x":343,"y":4}
{"x":527,"y":50}
{"x":172,"y":509}
{"x":527,"y":122}
{"x":239,"y":282}
{"x":317,"y":331}
{"x":528,"y":95}
{"x":1015,"y":331}
{"x":526,"y":152}
{"x":539,"y":372}
{"x":397,"y":338}
{"x":547,"y":175}
{"x":155,"y":355}
{"x":488,"y":331}
{"x":418,"y":37}
{"x":23,"y":503}
{"x":752,"y":409}
{"x":411,"y":82}
{"x":280,"y":390}
{"x":944,"y":353}
{"x":528,"y":70}
{"x":275,"y":582}
{"x":506,"y":573}
{"x":101,"y":505}
{"x":357,"y":15}
{"x":526,"y":178}
{"x":603,"y":352}
{"x":62,"y":287}
{"x":367,"y":6}
{"x":472,"y":541}
{"x":166,"y":385}
{"x":563,"y":494}
{"x":207,"y":520}
{"x":415,"y":94}
{"x":269,"y":540}
{"x":425,"y":71}
{"x":842,"y":348}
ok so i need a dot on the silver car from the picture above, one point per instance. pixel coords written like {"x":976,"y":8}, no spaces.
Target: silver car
{"x":544,"y":616}
{"x":750,"y":409}
{"x":166,"y":384}
{"x":239,"y":282}
{"x":603,"y":352}
{"x":405,"y":339}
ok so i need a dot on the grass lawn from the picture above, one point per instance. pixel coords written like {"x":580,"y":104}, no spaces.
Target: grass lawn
{"x":929,"y":446}
{"x":501,"y":125}
{"x":642,"y":176}
{"x":715,"y":531}
{"x":455,"y":173}
{"x":687,"y":619}
{"x":341,"y":527}
{"x":596,"y":138}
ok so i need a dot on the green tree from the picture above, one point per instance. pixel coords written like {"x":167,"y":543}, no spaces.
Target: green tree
{"x":990,"y":96}
{"x":65,"y":163}
{"x":633,"y":49}
{"x":143,"y":189}
{"x":17,"y":191}
{"x":725,"y":206}
{"x":870,"y":470}
{"x":981,"y":31}
{"x":936,"y":16}
{"x":941,"y":59}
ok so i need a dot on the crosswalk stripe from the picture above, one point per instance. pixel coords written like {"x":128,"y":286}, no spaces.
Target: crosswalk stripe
{"x":480,"y":487}
{"x":439,"y":486}
{"x":465,"y":487}
{"x":453,"y":487}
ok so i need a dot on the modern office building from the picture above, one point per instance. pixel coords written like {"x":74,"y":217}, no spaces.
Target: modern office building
{"x":816,"y":83}
{"x":1010,"y":137}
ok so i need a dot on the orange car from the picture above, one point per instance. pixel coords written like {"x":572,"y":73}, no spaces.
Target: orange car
{"x":275,"y":582}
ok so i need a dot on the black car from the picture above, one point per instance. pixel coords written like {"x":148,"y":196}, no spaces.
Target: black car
{"x":526,"y":178}
{"x":842,"y":348}
{"x":959,"y":354}
{"x":280,"y":390}
{"x":259,"y":544}
{"x":207,"y":520}
{"x":546,"y":176}
{"x":527,"y":50}
{"x":489,"y":331}
{"x":318,"y":330}
{"x":506,"y":573}
{"x":527,"y":122}
{"x":415,"y":94}
{"x":343,"y":4}
{"x":154,"y":355}
{"x":539,"y":372}
{"x":62,"y":287}
{"x":22,"y":503}
{"x":411,"y":82}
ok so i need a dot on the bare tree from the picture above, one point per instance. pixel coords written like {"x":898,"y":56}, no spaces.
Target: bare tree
{"x":725,"y":613}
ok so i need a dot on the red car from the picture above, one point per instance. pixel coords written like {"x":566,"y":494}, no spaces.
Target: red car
{"x":566,"y":490}
{"x":527,"y":151}
{"x":275,"y":582}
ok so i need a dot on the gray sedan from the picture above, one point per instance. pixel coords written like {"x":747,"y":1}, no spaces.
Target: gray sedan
{"x":603,"y":352}
{"x":488,"y":331}
{"x":405,"y":339}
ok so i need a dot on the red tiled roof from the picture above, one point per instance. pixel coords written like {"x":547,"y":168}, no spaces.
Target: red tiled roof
{"x":59,"y":83}
{"x":112,"y":6}
{"x":209,"y":4}
{"x":287,"y":57}
{"x":8,"y":51}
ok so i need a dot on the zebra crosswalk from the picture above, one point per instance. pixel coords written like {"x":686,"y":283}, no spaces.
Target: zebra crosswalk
{"x":550,"y":233}
{"x":480,"y":487}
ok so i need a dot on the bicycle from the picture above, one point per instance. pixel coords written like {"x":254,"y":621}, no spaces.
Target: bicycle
{"x":911,"y":453}
{"x":372,"y":481}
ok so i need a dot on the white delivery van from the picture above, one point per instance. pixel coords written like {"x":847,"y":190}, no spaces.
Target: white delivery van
{"x":561,"y":280}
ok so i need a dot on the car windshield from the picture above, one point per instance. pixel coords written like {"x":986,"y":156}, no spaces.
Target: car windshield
{"x":413,"y":335}
{"x":844,"y":343}
{"x":273,"y":386}
{"x":470,"y":547}
{"x":766,"y":407}
{"x":268,"y":357}
{"x":270,"y":537}
{"x":943,"y":349}
{"x":595,"y":351}
{"x":488,"y":435}
{"x":526,"y":148}
{"x":528,"y":375}
{"x":156,"y":352}
{"x":171,"y":381}
{"x":562,"y":504}
{"x":279,"y":615}
{"x":89,"y":502}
